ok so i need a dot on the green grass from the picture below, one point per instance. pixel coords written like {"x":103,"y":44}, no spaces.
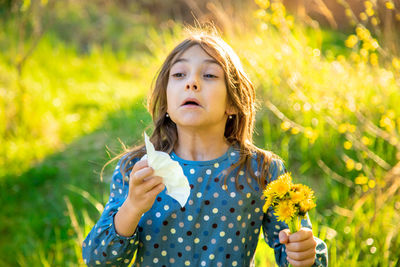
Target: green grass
{"x":67,"y":106}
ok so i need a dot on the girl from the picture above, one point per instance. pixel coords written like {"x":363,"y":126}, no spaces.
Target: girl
{"x":203,"y":108}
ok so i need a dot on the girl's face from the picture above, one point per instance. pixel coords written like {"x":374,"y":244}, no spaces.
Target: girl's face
{"x":196,"y":91}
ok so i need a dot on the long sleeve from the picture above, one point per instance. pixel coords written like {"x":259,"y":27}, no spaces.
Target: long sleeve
{"x":271,"y":228}
{"x":103,"y":246}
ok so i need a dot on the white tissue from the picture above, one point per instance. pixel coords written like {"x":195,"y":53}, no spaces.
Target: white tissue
{"x":173,"y":177}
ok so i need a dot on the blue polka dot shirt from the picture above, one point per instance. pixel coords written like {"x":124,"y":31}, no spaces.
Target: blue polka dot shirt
{"x":219,"y":225}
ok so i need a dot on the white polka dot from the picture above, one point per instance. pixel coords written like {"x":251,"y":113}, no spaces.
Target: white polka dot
{"x":211,"y":257}
{"x":277,"y":227}
{"x":163,"y":253}
{"x":196,"y":240}
{"x":239,"y":218}
{"x":199,"y":194}
{"x":190,"y":218}
{"x":120,"y":191}
{"x":249,"y":216}
{"x":235,"y":248}
{"x":215,"y":210}
{"x":243,"y":240}
{"x":149,"y":222}
{"x":180,"y":239}
{"x":181,"y":224}
{"x":224,"y":187}
{"x":190,"y":202}
{"x":148,"y":237}
{"x":233,"y":179}
{"x":241,"y":172}
{"x":257,"y":210}
{"x":223,"y":218}
{"x":98,"y":262}
{"x":216,"y":195}
{"x":248,"y":195}
{"x":240,"y":202}
{"x":216,"y":165}
{"x":213,"y":241}
{"x":173,"y":215}
{"x":230,"y":225}
{"x":191,"y":171}
{"x":158,"y":214}
{"x":203,"y":263}
{"x":166,"y":207}
{"x":172,"y":260}
{"x":103,"y":243}
{"x":256,"y":231}
{"x":233,"y":194}
{"x":187,"y":263}
{"x":173,"y":231}
{"x":222,"y":234}
{"x":197,"y":225}
{"x":206,"y":217}
{"x":233,"y":154}
{"x":208,"y":171}
{"x":229,"y":240}
{"x":188,"y":248}
{"x":155,"y":260}
{"x":114,"y":252}
{"x":234,"y":263}
{"x":164,"y":238}
{"x":127,"y":260}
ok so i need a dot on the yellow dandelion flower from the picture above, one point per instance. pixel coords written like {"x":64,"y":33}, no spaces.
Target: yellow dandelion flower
{"x":282,"y":185}
{"x":389,"y":5}
{"x":351,"y":41}
{"x":296,"y":196}
{"x":285,"y":211}
{"x":347,"y":145}
{"x":306,"y":205}
{"x":361,"y":179}
{"x":350,"y":164}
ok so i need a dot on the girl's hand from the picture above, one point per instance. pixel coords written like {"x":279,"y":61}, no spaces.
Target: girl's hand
{"x":143,"y":187}
{"x":300,"y":246}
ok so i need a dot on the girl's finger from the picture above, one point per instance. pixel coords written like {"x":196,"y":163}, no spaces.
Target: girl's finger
{"x":138,"y":177}
{"x":139,"y":165}
{"x":305,"y":263}
{"x":156,"y":190}
{"x":302,"y":255}
{"x":301,"y":246}
{"x":302,"y":234}
{"x":152,"y":182}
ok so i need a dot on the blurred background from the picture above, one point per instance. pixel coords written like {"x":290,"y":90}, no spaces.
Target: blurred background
{"x":73,"y":82}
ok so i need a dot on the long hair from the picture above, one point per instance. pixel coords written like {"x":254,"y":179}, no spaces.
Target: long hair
{"x":240,"y":95}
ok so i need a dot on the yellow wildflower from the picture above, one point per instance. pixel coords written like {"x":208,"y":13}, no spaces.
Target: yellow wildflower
{"x":282,"y":185}
{"x":285,"y":210}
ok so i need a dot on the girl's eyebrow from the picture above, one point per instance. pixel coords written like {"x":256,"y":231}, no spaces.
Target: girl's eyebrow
{"x":210,"y":61}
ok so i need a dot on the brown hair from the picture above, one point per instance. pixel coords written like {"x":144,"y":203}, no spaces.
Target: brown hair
{"x":240,"y":94}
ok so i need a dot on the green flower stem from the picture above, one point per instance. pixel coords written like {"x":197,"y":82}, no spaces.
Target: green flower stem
{"x":294,"y":226}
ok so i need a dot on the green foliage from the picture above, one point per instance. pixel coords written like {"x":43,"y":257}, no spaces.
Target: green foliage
{"x":326,"y":109}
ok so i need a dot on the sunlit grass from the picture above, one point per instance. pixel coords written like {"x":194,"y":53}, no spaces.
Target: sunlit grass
{"x":330,"y":110}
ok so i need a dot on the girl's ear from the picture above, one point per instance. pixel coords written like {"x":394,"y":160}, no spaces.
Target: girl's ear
{"x":230,"y":110}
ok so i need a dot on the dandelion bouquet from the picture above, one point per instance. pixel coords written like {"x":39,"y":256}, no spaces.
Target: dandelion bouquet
{"x":289,"y":201}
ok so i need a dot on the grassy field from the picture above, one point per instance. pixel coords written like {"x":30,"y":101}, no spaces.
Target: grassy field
{"x":328,"y":105}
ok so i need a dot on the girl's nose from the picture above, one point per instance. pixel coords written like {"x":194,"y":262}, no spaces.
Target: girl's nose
{"x":192,"y":84}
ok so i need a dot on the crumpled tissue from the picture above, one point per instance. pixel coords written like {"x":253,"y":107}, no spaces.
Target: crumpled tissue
{"x":174,"y":179}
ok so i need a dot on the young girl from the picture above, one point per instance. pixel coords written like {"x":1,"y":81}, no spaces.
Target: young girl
{"x":203,"y":108}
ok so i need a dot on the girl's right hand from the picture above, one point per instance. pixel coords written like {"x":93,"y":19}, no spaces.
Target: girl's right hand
{"x":143,"y":187}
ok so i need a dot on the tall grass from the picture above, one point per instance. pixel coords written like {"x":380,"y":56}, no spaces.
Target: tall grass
{"x":327,"y":107}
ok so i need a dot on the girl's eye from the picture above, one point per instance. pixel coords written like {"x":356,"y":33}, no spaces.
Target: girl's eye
{"x":178,"y":74}
{"x":210,"y":76}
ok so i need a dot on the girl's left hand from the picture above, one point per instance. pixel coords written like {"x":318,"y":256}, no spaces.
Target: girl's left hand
{"x":300,"y":246}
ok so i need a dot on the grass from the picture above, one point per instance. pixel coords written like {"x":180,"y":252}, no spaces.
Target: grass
{"x":332,"y":116}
